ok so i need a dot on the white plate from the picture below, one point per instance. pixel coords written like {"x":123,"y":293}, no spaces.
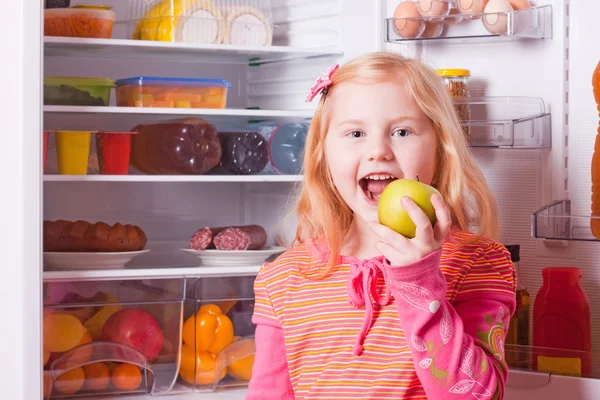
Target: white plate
{"x":234,"y":257}
{"x":72,"y":260}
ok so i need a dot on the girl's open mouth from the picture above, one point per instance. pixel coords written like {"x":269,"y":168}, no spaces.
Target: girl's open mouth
{"x":373,"y":185}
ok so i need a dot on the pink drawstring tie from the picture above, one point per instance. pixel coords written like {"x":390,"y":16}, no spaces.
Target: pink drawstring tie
{"x":362,"y":282}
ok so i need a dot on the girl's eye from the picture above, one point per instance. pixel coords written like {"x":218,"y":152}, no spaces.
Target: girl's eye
{"x":356,"y":134}
{"x":401,"y":132}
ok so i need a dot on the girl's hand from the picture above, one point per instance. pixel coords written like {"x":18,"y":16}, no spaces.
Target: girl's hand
{"x":400,"y":250}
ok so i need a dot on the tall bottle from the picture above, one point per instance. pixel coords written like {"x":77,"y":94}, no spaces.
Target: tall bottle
{"x":595,"y":222}
{"x":518,"y":330}
{"x":562,"y":335}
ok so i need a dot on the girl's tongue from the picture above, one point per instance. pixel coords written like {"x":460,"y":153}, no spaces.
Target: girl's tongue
{"x":375,"y":187}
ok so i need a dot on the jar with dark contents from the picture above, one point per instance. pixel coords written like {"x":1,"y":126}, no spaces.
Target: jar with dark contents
{"x":456,"y":81}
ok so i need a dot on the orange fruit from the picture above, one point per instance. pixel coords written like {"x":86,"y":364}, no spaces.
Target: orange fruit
{"x":62,"y":332}
{"x":126,"y":377}
{"x":70,"y":382}
{"x":241,"y":369}
{"x":97,"y":376}
{"x":198,"y":368}
{"x":47,"y":384}
{"x":80,"y":356}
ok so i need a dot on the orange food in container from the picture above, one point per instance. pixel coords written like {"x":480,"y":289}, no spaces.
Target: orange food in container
{"x":149,"y":91}
{"x":114,"y":151}
{"x":79,"y":21}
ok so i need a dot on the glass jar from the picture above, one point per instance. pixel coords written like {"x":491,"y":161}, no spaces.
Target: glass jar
{"x":457,"y":82}
{"x":518,"y":330}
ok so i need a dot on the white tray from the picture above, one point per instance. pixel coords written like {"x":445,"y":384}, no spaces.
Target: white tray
{"x":72,"y":260}
{"x":234,"y":257}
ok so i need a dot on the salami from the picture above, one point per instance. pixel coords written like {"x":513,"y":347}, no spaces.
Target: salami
{"x":203,"y":238}
{"x":247,"y":237}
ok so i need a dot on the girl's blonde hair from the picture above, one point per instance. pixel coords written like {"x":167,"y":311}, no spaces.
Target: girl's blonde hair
{"x":322,"y":212}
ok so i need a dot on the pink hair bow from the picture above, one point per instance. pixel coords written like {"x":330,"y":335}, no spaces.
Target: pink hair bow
{"x":322,"y":83}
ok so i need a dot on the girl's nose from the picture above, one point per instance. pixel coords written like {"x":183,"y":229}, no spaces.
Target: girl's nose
{"x":379,"y":150}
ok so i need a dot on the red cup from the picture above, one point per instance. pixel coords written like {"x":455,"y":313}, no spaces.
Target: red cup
{"x":46,"y":134}
{"x":114,"y":151}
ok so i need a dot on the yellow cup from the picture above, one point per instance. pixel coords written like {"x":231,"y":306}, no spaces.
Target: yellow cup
{"x":73,"y":151}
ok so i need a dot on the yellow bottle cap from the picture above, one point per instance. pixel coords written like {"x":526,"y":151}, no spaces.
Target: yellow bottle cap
{"x":453,"y":72}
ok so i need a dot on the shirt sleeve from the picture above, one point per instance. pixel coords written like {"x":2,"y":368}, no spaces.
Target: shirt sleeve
{"x":458,"y":350}
{"x":263,"y":308}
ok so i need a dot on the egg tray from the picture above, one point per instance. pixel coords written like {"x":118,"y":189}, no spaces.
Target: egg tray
{"x":445,"y":20}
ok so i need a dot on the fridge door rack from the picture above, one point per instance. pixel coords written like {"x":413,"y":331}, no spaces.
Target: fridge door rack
{"x":556,"y":223}
{"x":530,"y":23}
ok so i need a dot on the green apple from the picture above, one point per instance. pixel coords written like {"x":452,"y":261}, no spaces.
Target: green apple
{"x":392,"y":214}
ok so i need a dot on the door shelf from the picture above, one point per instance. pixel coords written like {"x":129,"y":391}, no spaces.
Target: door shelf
{"x":174,"y":178}
{"x":507,"y":122}
{"x":555,"y":222}
{"x":182,"y":52}
{"x":531,"y":23}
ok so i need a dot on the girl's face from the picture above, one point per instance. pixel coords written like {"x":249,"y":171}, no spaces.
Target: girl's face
{"x":377,"y":133}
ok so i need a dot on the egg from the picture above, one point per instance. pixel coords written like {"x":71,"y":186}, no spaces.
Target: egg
{"x":432,"y":30}
{"x":471,"y":6}
{"x":519,"y":4}
{"x":454,"y":17}
{"x":408,"y":28}
{"x":496,"y":23}
{"x":434,"y":8}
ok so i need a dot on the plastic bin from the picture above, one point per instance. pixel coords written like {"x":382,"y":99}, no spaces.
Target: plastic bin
{"x":111,"y":337}
{"x":218,"y":335}
{"x":114,"y":151}
{"x":77,"y":91}
{"x":79,"y":21}
{"x":73,"y":152}
{"x":235,"y":22}
{"x":149,"y":91}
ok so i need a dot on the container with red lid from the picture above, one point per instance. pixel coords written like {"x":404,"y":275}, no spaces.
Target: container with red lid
{"x":114,"y":152}
{"x":562,"y":324}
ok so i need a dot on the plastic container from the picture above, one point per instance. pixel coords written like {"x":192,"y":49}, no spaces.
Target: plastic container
{"x":114,"y":151}
{"x":561,"y":320}
{"x":79,"y":21}
{"x":518,"y":330}
{"x":73,"y":151}
{"x":77,"y":91}
{"x":45,"y":149}
{"x":236,"y":22}
{"x":244,"y":153}
{"x":150,"y":91}
{"x":595,"y":222}
{"x":285,"y":146}
{"x":125,"y":330}
{"x":457,"y":82}
{"x":226,"y":354}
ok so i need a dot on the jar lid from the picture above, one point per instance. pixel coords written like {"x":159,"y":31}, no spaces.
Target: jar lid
{"x":514,"y":249}
{"x":453,"y":72}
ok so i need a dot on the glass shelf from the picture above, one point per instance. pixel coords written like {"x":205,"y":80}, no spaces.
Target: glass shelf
{"x":508,"y":122}
{"x":555,"y":222}
{"x":530,"y":23}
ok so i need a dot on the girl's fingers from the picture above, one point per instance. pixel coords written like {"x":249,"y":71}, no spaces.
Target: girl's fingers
{"x":393,"y":238}
{"x":418,"y":217}
{"x":444,"y":220}
{"x":394,"y":257}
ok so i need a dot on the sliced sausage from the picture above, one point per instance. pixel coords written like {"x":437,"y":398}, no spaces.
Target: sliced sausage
{"x":203,"y":238}
{"x":247,"y":237}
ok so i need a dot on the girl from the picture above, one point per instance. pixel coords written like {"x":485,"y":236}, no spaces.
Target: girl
{"x":356,"y":310}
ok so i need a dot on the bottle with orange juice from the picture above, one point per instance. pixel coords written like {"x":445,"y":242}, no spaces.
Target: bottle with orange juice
{"x":595,"y":222}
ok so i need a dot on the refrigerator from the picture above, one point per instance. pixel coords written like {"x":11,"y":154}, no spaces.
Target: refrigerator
{"x":533,"y":125}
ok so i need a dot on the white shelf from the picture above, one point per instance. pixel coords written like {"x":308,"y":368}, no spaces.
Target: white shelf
{"x":149,"y":273}
{"x":173,"y":178}
{"x":226,"y":112}
{"x":181,"y":52}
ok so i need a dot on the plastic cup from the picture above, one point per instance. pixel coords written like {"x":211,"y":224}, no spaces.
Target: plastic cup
{"x":73,"y":152}
{"x":46,"y":134}
{"x":114,"y":151}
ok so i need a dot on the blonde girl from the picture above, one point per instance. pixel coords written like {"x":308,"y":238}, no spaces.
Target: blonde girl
{"x":357,"y":311}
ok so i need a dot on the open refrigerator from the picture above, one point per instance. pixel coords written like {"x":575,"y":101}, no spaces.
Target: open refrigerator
{"x":532,"y":126}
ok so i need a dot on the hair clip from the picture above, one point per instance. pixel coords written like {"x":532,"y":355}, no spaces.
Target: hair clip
{"x":322,"y":83}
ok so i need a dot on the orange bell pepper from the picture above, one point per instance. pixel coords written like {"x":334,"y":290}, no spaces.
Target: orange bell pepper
{"x":209,"y":330}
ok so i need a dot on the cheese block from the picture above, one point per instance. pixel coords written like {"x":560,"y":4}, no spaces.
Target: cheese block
{"x":247,"y":26}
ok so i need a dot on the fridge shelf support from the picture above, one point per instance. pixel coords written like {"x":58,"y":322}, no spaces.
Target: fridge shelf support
{"x":530,"y":23}
{"x":556,"y":223}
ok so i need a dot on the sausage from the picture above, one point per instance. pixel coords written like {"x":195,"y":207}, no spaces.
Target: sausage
{"x":247,"y":237}
{"x":203,"y":238}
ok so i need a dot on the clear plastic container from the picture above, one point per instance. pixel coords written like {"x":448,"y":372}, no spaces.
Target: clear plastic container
{"x":73,"y":151}
{"x":79,"y":21}
{"x":113,"y":150}
{"x":77,"y":91}
{"x":224,"y":356}
{"x":457,"y":82}
{"x":111,"y":337}
{"x":285,"y":146}
{"x":236,"y":22}
{"x":150,"y":91}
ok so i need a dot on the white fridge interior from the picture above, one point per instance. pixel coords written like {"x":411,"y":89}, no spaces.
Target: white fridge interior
{"x":535,"y":147}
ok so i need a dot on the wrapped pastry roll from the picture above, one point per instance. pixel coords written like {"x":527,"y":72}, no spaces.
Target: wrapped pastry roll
{"x":248,"y":26}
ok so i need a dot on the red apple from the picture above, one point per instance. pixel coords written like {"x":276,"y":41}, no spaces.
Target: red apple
{"x":135,"y":328}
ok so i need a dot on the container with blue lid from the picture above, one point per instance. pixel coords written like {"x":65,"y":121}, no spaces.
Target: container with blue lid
{"x":153,"y":91}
